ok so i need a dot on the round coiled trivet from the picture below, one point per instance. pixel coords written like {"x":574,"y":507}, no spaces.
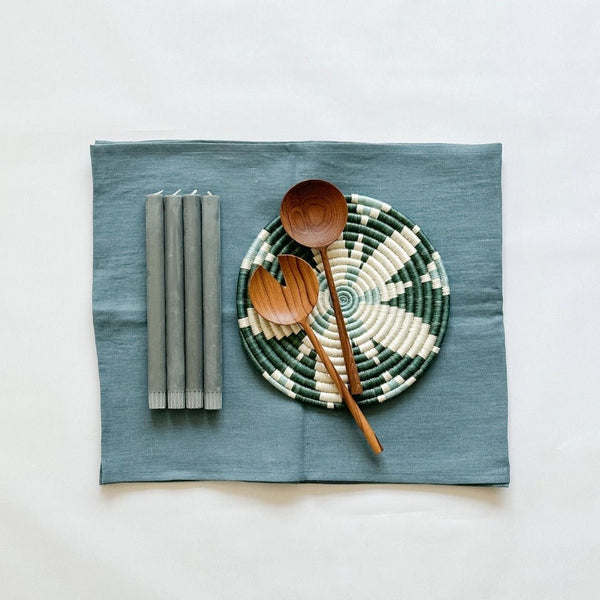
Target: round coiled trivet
{"x":394,"y":294}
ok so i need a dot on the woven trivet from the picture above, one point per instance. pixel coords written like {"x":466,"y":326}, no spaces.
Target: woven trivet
{"x":394,"y":295}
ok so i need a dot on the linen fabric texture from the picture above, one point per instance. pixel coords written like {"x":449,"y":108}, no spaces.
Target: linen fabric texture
{"x":448,"y":428}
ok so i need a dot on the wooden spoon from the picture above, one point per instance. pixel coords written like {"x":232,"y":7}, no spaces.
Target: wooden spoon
{"x":314,"y":213}
{"x":292,"y":303}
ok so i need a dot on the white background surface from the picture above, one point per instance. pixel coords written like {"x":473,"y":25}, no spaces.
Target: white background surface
{"x":522,"y":73}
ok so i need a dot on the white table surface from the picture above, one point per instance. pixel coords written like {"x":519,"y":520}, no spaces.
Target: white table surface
{"x":522,"y":73}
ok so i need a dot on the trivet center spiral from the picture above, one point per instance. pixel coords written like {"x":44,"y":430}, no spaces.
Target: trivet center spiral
{"x":348,"y":299}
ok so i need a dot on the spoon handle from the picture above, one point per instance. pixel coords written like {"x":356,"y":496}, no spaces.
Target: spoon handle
{"x":354,"y":409}
{"x":351,"y":369}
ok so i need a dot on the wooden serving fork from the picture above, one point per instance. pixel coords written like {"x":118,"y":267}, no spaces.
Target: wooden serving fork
{"x":292,"y":303}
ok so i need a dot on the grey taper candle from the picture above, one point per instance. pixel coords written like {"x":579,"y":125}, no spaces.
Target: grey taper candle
{"x":174,"y":295}
{"x":211,"y":300}
{"x":155,"y":301}
{"x":193,"y":300}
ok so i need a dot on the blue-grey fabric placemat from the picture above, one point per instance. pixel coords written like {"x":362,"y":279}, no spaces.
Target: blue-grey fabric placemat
{"x":448,"y":428}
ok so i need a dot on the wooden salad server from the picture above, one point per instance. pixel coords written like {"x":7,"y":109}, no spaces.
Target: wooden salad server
{"x":292,"y":303}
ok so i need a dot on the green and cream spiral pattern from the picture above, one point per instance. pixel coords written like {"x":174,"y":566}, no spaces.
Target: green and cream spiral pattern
{"x":394,"y":294}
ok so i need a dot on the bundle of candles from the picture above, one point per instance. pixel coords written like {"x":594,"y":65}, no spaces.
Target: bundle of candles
{"x":183,"y":263}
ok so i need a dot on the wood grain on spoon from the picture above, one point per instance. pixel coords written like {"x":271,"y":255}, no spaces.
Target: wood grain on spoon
{"x":292,"y":303}
{"x":314,"y":213}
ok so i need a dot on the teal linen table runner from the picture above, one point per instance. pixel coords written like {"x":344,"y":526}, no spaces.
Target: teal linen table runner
{"x":450,"y":427}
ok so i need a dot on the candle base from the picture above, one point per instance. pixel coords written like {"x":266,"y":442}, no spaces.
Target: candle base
{"x":157,"y":400}
{"x":213,"y":400}
{"x":176,"y":399}
{"x":194,"y":398}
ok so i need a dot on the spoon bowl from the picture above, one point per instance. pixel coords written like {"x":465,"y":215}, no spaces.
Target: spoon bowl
{"x":314,"y":213}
